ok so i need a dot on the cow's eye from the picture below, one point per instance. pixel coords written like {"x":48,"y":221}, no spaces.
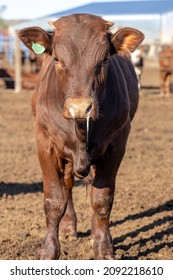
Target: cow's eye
{"x":104,"y":60}
{"x":98,"y":69}
{"x":56,"y":59}
{"x":58,"y":63}
{"x":106,"y":57}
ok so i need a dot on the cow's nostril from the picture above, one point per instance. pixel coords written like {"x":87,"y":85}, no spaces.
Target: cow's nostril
{"x":88,"y":110}
{"x":71,"y":110}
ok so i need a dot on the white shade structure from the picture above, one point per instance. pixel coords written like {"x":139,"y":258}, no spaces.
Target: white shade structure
{"x":153,"y":17}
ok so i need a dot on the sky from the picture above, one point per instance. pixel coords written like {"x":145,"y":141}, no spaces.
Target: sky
{"x":30,"y":9}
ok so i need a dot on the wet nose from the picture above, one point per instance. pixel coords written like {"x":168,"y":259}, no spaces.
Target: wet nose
{"x":81,"y":110}
{"x":78,"y":108}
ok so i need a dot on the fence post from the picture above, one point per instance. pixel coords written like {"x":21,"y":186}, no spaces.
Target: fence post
{"x":18,"y":66}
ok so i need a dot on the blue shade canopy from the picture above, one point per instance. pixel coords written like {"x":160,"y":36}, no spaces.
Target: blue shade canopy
{"x":154,"y":18}
{"x":121,"y":8}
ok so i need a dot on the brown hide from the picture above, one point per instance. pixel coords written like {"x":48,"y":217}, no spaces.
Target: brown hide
{"x":84,"y":101}
{"x":166,"y":70}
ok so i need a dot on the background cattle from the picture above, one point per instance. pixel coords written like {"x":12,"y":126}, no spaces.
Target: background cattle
{"x":137,"y":58}
{"x":166,"y":70}
{"x":8,"y":76}
{"x":83,"y":105}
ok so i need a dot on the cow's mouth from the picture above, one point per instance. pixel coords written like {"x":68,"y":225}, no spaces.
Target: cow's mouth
{"x":82,"y":124}
{"x":81,"y":173}
{"x":81,"y":164}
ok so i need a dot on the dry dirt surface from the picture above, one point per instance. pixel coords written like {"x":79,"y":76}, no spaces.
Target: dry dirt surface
{"x":141,"y":221}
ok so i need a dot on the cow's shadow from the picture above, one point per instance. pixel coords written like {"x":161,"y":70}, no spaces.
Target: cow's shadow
{"x":150,"y":90}
{"x":157,"y":236}
{"x":12,"y":189}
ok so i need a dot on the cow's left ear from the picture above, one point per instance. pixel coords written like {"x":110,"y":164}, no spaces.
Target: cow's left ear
{"x":36,"y":39}
{"x":127,"y":40}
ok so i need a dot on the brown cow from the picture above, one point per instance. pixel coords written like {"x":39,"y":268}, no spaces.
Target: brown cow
{"x":166,"y":70}
{"x":85,"y":99}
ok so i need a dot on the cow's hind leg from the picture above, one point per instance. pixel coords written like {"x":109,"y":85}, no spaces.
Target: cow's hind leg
{"x":162,"y":83}
{"x":102,"y":194}
{"x":167,"y":85}
{"x":68,"y":222}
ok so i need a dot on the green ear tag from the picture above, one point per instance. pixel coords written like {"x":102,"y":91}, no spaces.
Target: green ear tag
{"x":37,"y":48}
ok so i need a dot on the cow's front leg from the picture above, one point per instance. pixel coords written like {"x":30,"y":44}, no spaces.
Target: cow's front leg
{"x":54,"y":204}
{"x":102,"y":195}
{"x":102,"y":200}
{"x":55,"y":197}
{"x":55,"y":201}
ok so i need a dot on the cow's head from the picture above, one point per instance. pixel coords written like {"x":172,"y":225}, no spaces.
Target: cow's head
{"x":79,"y":48}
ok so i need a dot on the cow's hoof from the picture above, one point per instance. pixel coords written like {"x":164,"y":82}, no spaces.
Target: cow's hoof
{"x":108,"y":256}
{"x":67,"y":232}
{"x":50,"y":250}
{"x":103,"y":251}
{"x":68,"y":237}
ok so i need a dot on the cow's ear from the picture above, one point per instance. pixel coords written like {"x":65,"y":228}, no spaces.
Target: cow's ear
{"x":36,"y":39}
{"x":127,"y":40}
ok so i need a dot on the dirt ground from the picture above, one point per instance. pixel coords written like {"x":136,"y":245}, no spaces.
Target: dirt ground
{"x":142,"y":217}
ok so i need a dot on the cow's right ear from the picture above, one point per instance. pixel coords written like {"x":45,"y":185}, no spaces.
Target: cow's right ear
{"x":36,"y":39}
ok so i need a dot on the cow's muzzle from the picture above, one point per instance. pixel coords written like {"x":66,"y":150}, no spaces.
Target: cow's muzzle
{"x":79,"y":108}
